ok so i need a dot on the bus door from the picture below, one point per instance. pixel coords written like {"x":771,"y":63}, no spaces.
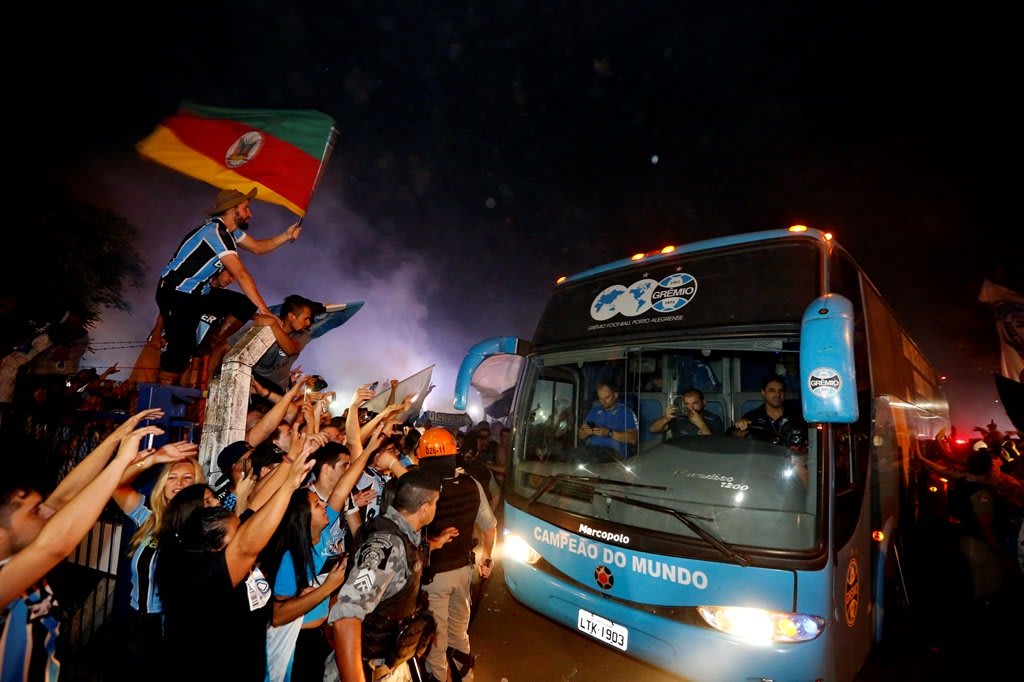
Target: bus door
{"x":854,"y":552}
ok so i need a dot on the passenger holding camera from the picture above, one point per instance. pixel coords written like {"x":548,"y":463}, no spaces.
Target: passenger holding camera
{"x":689,"y":417}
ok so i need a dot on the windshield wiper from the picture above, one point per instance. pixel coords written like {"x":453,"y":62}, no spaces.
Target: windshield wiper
{"x":688,"y":520}
{"x":550,"y":482}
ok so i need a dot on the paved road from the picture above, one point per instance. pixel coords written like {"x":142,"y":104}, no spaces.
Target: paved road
{"x":941,"y":642}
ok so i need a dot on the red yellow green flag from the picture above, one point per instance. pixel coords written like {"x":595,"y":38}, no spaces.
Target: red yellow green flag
{"x":282,"y":152}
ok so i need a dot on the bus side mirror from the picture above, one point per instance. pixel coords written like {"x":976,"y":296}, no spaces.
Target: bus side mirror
{"x":828,"y":379}
{"x":476,"y":355}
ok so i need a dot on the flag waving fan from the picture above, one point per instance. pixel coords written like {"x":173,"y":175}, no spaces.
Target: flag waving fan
{"x":283,"y":152}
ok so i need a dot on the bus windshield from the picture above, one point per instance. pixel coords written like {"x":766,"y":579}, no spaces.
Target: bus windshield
{"x":606,"y":435}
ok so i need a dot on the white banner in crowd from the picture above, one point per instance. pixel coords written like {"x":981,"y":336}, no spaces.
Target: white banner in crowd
{"x":417,"y":385}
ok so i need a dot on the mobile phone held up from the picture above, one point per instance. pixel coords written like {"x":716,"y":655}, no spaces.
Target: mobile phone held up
{"x":373,"y":386}
{"x":332,"y":561}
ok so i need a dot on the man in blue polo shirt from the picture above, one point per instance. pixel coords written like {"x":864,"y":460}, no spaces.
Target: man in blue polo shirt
{"x":610,"y":424}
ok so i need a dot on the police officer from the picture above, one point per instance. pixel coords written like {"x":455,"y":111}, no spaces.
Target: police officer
{"x":462,"y":508}
{"x":381,"y":595}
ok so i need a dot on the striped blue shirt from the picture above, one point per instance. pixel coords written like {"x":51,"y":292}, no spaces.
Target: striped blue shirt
{"x":197,"y":260}
{"x":28,"y":636}
{"x":144,"y":597}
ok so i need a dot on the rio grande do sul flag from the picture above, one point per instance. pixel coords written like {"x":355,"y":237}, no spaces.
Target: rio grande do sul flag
{"x":282,"y":152}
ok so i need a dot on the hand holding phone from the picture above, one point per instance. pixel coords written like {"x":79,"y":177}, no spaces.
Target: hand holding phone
{"x":332,"y":561}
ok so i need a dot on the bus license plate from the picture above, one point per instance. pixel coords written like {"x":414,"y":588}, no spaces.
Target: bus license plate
{"x":603,"y":629}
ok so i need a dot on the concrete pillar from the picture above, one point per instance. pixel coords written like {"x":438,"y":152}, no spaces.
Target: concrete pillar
{"x":228,"y":400}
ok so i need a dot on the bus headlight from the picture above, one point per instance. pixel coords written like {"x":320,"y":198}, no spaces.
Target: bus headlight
{"x":760,"y":626}
{"x":515,"y":548}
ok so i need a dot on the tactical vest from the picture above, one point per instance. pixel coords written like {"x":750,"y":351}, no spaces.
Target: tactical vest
{"x":457,"y":507}
{"x":381,"y":626}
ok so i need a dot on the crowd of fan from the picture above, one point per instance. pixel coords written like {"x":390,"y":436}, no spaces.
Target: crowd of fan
{"x":253,"y":560}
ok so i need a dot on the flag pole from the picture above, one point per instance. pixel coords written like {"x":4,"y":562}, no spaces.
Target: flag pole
{"x":332,"y":138}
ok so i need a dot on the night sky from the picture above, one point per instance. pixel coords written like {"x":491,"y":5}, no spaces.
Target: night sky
{"x":488,"y":147}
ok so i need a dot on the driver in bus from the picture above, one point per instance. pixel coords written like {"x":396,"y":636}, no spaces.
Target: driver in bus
{"x":770,"y":421}
{"x":610,"y":424}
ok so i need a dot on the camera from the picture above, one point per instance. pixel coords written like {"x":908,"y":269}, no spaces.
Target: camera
{"x":317,"y":385}
{"x":684,"y":411}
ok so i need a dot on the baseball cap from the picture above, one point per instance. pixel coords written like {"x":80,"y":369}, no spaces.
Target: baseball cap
{"x":227,"y":457}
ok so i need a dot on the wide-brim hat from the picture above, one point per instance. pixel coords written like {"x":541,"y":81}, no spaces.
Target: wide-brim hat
{"x":229,"y":198}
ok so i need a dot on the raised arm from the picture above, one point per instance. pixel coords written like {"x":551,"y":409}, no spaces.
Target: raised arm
{"x":269,"y":422}
{"x":253,"y":535}
{"x":389,"y":410}
{"x":662,"y":422}
{"x":262,"y":246}
{"x":65,"y":529}
{"x":355,"y":445}
{"x":93,"y":464}
{"x":125,"y":495}
{"x":302,"y":446}
{"x":348,"y":480}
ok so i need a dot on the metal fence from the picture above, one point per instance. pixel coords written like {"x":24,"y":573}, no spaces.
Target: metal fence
{"x":90,"y":586}
{"x":89,"y":581}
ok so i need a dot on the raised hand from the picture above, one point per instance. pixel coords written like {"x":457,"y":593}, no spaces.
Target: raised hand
{"x":302,"y":464}
{"x":336,"y":577}
{"x":364,"y":497}
{"x":361,"y":395}
{"x":174,"y":452}
{"x":129,"y":448}
{"x":377,"y":437}
{"x":129,"y":424}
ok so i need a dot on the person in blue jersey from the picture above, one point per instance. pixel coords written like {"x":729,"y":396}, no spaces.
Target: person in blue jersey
{"x":37,"y":532}
{"x":610,"y":424}
{"x":304,"y":568}
{"x":185,"y":293}
{"x":143,"y":618}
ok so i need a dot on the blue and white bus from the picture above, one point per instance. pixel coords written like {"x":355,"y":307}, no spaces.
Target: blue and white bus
{"x":718,"y":557}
